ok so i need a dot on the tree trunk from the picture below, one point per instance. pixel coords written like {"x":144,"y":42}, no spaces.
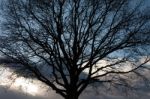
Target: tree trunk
{"x":72,"y":94}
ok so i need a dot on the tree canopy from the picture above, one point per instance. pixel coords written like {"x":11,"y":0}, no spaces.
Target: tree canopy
{"x":58,"y":40}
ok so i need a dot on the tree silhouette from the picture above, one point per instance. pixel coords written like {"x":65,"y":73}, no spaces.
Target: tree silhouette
{"x":58,"y":40}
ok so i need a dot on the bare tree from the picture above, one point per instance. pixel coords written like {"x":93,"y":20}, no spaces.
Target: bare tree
{"x":58,"y":40}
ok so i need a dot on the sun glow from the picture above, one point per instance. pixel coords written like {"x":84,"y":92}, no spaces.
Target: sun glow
{"x":106,"y":68}
{"x":26,"y":86}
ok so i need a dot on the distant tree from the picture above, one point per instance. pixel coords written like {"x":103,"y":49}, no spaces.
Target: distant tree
{"x":58,"y":40}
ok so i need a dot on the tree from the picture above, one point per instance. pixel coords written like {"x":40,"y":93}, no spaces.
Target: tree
{"x":58,"y":40}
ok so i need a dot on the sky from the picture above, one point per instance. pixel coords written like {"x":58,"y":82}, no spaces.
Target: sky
{"x":23,"y":88}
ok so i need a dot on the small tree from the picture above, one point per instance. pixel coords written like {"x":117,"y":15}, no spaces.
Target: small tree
{"x":58,"y":40}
